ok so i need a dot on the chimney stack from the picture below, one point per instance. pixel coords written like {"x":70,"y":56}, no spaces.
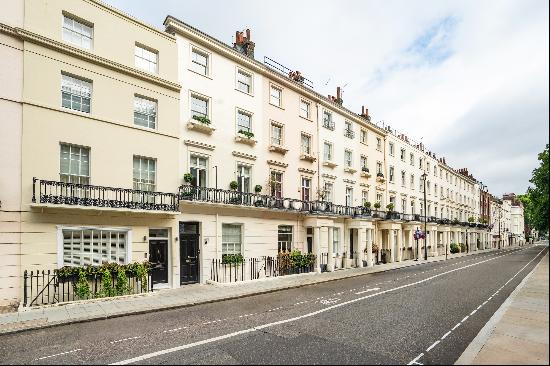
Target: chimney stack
{"x":243,"y":44}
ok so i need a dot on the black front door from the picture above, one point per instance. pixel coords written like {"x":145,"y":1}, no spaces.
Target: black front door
{"x":189,"y":252}
{"x":351,"y":249}
{"x":158,"y":256}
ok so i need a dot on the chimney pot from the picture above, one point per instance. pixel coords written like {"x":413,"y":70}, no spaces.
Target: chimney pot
{"x":362,"y":110}
{"x":248,"y":34}
{"x":338,"y":96}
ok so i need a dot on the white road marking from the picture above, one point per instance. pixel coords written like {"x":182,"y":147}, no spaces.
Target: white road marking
{"x":58,"y":354}
{"x":479,"y":307}
{"x":416,"y":359}
{"x":124,"y":339}
{"x":174,"y":330}
{"x":473,"y":312}
{"x":249,"y":330}
{"x":456,"y":326}
{"x":433,"y":345}
{"x":465,"y":318}
{"x":369,"y":290}
{"x":445,"y":335}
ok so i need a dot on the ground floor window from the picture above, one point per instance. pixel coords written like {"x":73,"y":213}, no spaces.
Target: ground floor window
{"x":231,"y":239}
{"x":284,"y":238}
{"x":93,"y":246}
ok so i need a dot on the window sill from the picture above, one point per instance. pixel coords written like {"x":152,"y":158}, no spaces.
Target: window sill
{"x":198,"y":73}
{"x":278,"y":149}
{"x":366,"y":174}
{"x":307,"y":119}
{"x":330,"y":164}
{"x":380,"y":179}
{"x":308,"y":157}
{"x":240,"y":91}
{"x":350,"y":170}
{"x":200,"y":127}
{"x":245,"y":140}
{"x":276,"y":106}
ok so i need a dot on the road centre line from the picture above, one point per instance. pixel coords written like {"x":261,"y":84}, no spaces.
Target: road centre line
{"x":58,"y":354}
{"x":268,"y":325}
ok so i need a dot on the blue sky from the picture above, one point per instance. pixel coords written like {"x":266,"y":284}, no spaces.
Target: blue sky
{"x":468,"y":77}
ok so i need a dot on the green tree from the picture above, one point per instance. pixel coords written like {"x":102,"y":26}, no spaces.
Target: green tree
{"x":535,"y":201}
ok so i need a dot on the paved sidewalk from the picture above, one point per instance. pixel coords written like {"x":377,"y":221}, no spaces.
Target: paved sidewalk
{"x":518,"y":332}
{"x":87,"y":310}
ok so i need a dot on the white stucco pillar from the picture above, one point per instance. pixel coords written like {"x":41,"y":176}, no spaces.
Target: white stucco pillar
{"x":330,"y":260}
{"x":412,"y":244}
{"x":317,"y":247}
{"x":391,"y":240}
{"x":369,"y":247}
{"x":399,"y":245}
{"x":361,"y":241}
{"x":436,"y":242}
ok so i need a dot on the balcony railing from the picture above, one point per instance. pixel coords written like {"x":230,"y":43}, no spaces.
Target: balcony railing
{"x":213,"y":195}
{"x":328,"y":124}
{"x":349,"y":133}
{"x":60,"y":193}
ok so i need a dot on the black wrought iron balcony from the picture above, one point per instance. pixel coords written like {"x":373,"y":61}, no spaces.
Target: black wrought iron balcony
{"x":228,"y":197}
{"x":61,"y":193}
{"x":328,"y":124}
{"x":349,"y":133}
{"x":432,"y":219}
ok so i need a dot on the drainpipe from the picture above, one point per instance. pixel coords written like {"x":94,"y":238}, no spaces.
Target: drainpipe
{"x":318,"y":149}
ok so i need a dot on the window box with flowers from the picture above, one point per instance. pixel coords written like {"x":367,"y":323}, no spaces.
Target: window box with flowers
{"x":201,"y":124}
{"x":245,"y":137}
{"x":380,"y":177}
{"x":365,"y":172}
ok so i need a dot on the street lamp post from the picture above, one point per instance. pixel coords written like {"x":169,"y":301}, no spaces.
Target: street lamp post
{"x":424,"y":176}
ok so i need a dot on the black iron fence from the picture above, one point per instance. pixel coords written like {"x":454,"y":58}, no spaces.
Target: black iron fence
{"x":46,"y":287}
{"x":254,"y":269}
{"x":61,"y":193}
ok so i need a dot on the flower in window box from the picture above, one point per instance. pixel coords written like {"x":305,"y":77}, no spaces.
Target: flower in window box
{"x":379,"y":174}
{"x":365,"y":169}
{"x":202,"y":119}
{"x":248,"y":134}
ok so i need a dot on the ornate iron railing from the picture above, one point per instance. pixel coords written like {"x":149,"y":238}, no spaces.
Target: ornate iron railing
{"x":328,"y":124}
{"x":61,"y":193}
{"x":214,"y":195}
{"x":349,"y":133}
{"x":45,"y":287}
{"x":253,"y":269}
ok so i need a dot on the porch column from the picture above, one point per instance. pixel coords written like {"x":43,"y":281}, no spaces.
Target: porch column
{"x":330,"y":260}
{"x":369,"y":247}
{"x":317,"y":247}
{"x":361,"y":238}
{"x":411,"y":244}
{"x":399,"y":245}
{"x":391,"y":241}
{"x":436,"y":242}
{"x":379,"y":242}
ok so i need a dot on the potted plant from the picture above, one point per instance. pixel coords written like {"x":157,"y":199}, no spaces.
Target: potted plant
{"x":188,"y":178}
{"x":390,"y":214}
{"x":233,"y":185}
{"x":202,"y":119}
{"x":258,"y":189}
{"x":365,"y":169}
{"x":367,"y":204}
{"x":248,"y":134}
{"x":390,"y":207}
{"x":376,"y":207}
{"x":187,"y":189}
